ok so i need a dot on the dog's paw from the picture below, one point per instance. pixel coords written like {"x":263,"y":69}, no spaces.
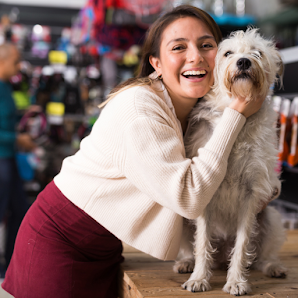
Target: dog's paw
{"x":184,"y":266}
{"x":237,"y":288}
{"x":197,"y":285}
{"x":275,"y":270}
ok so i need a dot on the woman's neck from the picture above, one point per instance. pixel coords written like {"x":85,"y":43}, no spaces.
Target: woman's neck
{"x":182,"y":110}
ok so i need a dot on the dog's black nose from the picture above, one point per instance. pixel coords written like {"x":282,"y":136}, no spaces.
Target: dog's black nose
{"x":243,"y":63}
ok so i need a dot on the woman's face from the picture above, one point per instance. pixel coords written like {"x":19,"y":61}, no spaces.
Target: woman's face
{"x":186,"y":62}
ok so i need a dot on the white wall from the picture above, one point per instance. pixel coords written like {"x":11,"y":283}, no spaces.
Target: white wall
{"x":262,"y":8}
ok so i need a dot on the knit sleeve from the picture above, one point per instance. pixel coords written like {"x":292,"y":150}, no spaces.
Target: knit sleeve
{"x":155,"y":163}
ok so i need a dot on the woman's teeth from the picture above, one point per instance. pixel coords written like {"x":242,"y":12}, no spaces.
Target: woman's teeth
{"x":199,"y":73}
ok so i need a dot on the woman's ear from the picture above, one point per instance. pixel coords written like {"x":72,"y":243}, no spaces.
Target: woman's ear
{"x":155,"y":62}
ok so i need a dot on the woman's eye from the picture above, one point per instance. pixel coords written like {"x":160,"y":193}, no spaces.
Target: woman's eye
{"x":207,"y":45}
{"x":177,"y":48}
{"x":228,"y":53}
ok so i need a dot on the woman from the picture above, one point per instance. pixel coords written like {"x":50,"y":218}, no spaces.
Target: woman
{"x":130,"y":180}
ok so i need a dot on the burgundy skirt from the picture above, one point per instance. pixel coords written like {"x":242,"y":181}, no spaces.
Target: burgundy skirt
{"x":62,"y":252}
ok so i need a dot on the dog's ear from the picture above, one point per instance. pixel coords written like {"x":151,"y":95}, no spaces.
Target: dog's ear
{"x":280,"y":66}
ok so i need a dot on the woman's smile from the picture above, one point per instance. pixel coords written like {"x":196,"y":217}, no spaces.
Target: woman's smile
{"x":195,"y":75}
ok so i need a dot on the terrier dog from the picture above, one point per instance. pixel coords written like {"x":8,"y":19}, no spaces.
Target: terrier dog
{"x":232,"y":229}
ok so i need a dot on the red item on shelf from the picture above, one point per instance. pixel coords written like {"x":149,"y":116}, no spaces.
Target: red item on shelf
{"x":283,"y":147}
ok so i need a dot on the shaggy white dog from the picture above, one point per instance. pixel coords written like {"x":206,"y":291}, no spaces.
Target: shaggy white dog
{"x":231,"y":231}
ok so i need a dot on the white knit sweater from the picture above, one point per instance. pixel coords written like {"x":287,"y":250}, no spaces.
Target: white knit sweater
{"x":131,"y":174}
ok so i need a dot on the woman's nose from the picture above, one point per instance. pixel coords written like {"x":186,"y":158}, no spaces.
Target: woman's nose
{"x":194,"y":55}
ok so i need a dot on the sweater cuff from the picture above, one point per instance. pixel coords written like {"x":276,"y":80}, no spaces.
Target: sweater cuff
{"x":226,"y":132}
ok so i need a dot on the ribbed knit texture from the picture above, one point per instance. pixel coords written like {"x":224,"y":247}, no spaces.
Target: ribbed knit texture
{"x":132,"y":176}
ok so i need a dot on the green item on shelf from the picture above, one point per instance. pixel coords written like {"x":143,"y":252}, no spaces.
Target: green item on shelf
{"x":21,"y":99}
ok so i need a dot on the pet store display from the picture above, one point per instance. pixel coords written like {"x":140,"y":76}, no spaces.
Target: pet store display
{"x":287,"y":111}
{"x":101,"y":48}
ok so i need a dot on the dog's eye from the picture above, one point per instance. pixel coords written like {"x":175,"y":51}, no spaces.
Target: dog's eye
{"x":257,"y":54}
{"x":228,"y":53}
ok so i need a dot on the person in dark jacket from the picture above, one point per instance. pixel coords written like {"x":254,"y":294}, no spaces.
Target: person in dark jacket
{"x":13,"y":202}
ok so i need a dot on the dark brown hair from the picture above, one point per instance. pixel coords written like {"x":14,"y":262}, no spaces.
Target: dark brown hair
{"x":152,"y":44}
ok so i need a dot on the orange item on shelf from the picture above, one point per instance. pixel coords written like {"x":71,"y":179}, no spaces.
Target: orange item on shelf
{"x":293,"y":156}
{"x":283,"y":147}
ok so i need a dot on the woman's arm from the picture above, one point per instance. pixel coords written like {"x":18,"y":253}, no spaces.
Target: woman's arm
{"x":156,"y":163}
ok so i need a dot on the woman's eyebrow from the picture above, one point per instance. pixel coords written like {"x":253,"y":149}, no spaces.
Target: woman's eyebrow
{"x":185,"y":39}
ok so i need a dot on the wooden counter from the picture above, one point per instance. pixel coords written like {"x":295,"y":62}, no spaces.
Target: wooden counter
{"x":145,"y":276}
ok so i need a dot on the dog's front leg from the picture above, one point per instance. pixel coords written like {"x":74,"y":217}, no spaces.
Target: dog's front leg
{"x":185,"y":261}
{"x":199,"y":279}
{"x":237,"y":283}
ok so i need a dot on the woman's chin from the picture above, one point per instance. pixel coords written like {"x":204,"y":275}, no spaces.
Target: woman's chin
{"x":198,"y":93}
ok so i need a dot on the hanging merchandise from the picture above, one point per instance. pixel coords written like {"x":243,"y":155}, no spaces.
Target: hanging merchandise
{"x":72,"y":99}
{"x":57,"y":57}
{"x":55,"y":112}
{"x":36,"y":73}
{"x":43,"y":86}
{"x":86,"y":21}
{"x":293,"y":156}
{"x":64,"y":42}
{"x":21,"y":86}
{"x":120,"y":37}
{"x":138,"y":7}
{"x":277,"y":103}
{"x":41,"y":38}
{"x":97,"y":23}
{"x":277,"y":100}
{"x":19,"y":35}
{"x":131,"y":56}
{"x":34,"y":123}
{"x":81,"y":58}
{"x":283,"y":147}
{"x":58,"y":87}
{"x":122,"y":17}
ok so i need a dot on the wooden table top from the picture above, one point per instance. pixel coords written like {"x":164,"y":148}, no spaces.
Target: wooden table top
{"x":145,"y":276}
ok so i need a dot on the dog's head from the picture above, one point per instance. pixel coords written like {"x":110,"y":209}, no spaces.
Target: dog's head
{"x":246,"y":65}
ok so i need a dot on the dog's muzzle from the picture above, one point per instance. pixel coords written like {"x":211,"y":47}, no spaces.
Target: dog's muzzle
{"x":243,"y":64}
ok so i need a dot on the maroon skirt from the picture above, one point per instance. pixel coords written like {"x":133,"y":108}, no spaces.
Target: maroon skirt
{"x":62,"y":252}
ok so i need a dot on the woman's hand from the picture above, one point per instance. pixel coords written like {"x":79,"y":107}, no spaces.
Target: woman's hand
{"x":246,"y":108}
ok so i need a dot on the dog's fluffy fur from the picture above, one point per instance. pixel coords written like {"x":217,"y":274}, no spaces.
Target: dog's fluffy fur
{"x":231,"y":232}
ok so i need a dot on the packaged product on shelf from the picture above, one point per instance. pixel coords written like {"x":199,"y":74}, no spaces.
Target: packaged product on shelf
{"x":283,"y":147}
{"x":293,"y":156}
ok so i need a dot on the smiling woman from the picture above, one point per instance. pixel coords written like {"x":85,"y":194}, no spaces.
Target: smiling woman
{"x":181,"y":56}
{"x":186,"y":63}
{"x":131,"y":179}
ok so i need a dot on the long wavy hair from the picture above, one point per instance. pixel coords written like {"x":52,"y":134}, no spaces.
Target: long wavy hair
{"x":152,"y":44}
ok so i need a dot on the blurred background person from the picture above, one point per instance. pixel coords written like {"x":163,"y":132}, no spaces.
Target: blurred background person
{"x":13,"y":201}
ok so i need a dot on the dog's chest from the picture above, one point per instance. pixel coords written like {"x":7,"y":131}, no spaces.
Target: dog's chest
{"x":251,"y":158}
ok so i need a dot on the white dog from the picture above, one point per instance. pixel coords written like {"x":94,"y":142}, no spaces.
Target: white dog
{"x":232,"y":230}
